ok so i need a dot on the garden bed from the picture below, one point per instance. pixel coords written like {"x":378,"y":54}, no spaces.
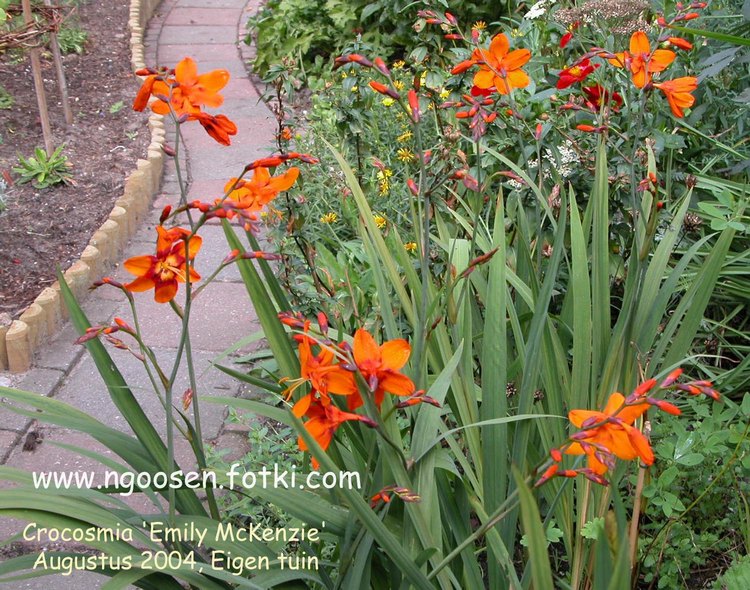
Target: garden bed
{"x":41,"y":229}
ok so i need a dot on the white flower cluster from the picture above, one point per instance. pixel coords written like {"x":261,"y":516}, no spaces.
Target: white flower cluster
{"x":568,"y":157}
{"x":514,"y":184}
{"x":538,"y":9}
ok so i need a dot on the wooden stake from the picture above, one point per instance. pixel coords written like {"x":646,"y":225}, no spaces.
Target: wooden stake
{"x":61,"y":83}
{"x":41,"y":97}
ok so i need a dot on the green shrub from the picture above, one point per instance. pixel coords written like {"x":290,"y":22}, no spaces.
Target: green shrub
{"x":315,"y":32}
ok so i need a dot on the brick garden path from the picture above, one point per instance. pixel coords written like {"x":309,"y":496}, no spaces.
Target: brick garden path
{"x":210,"y":31}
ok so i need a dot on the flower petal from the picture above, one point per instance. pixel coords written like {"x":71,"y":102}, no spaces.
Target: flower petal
{"x":165,"y":291}
{"x":484,"y":78}
{"x":639,"y":43}
{"x":499,"y":46}
{"x":213,"y":81}
{"x":365,"y":348}
{"x":660,"y":60}
{"x":518,"y":79}
{"x":140,"y":284}
{"x":516,"y":59}
{"x":614,"y":403}
{"x":284,"y":181}
{"x":140,"y":265}
{"x":395,"y":353}
{"x":186,"y":72}
{"x":396,"y":384}
{"x":578,"y":417}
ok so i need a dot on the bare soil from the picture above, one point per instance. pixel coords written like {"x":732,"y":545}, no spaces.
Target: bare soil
{"x":42,"y":229}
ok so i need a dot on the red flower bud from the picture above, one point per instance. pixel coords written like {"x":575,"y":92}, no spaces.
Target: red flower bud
{"x":383,"y":89}
{"x":548,"y":473}
{"x":416,"y":114}
{"x":644,"y":388}
{"x":671,"y":378}
{"x":360,"y":59}
{"x":381,"y":67}
{"x":538,"y":131}
{"x":665,"y":406}
{"x":412,"y":187}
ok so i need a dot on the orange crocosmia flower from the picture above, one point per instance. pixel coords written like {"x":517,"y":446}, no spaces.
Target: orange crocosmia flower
{"x":254,"y":194}
{"x":323,"y":423}
{"x":500,"y":67}
{"x":219,"y":127}
{"x":641,"y":61}
{"x":605,"y":435}
{"x":678,"y":94}
{"x":325,"y":377}
{"x":380,"y":366}
{"x":165,"y":270}
{"x":190,"y":91}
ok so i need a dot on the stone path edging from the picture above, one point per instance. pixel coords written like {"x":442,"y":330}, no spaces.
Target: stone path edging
{"x":44,"y":317}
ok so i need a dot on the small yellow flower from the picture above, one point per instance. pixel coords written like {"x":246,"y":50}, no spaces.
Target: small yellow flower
{"x":516,"y":33}
{"x":398,"y":84}
{"x":423,"y":78}
{"x":388,"y":101}
{"x":344,"y":75}
{"x":330,"y":217}
{"x":405,"y":155}
{"x":406,"y":135}
{"x":410,"y":247}
{"x":444,"y":93}
{"x":399,"y":65}
{"x":384,"y":174}
{"x":480,"y":25}
{"x":384,"y":186}
{"x":355,"y":88}
{"x":380,"y":221}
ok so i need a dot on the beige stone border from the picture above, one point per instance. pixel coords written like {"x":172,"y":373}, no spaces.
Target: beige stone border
{"x":20,"y":338}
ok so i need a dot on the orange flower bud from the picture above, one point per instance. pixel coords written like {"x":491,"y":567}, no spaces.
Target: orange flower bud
{"x":414,"y":105}
{"x":383,"y":89}
{"x":412,"y":187}
{"x":680,"y":43}
{"x":644,"y":388}
{"x":548,"y":473}
{"x":665,"y":406}
{"x":360,"y":59}
{"x":538,"y":131}
{"x":671,"y":378}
